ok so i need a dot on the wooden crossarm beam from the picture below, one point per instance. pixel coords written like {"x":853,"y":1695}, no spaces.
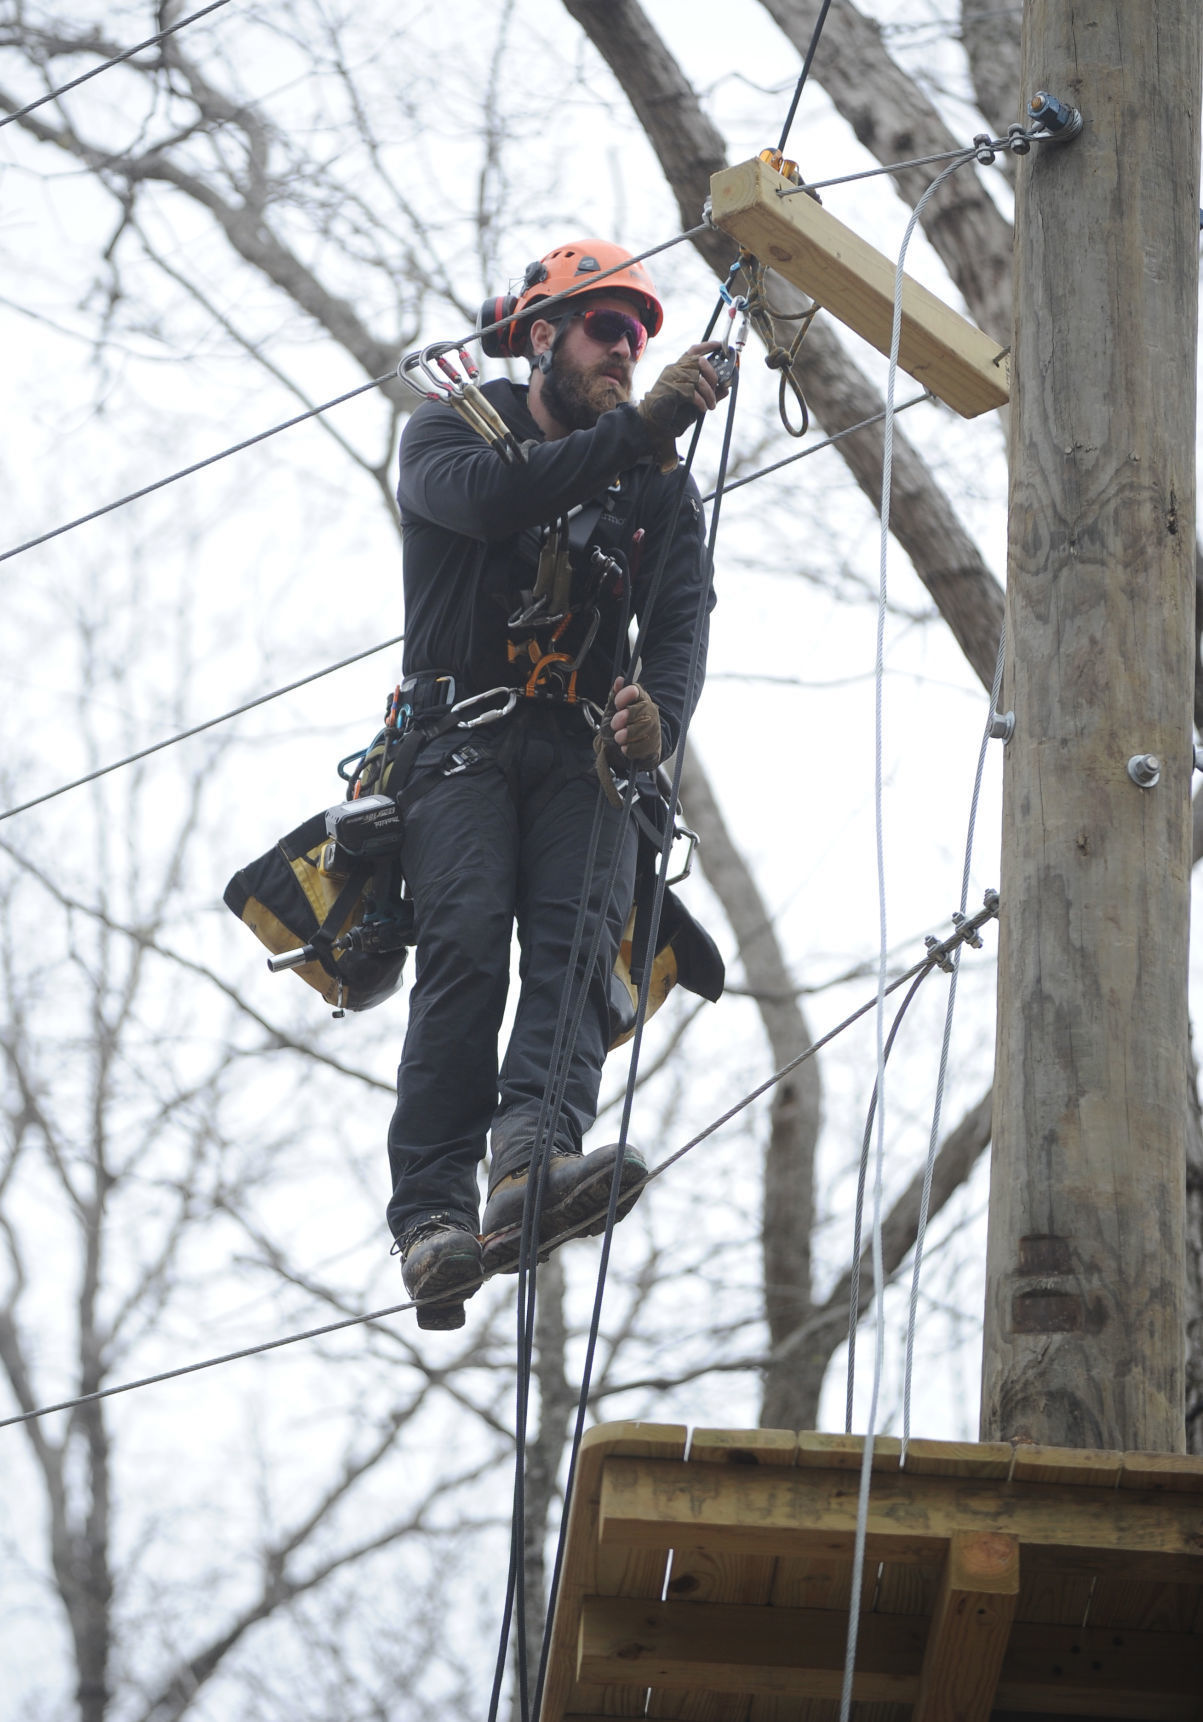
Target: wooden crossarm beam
{"x":970,"y":1627}
{"x":651,"y":1503}
{"x":854,"y":282}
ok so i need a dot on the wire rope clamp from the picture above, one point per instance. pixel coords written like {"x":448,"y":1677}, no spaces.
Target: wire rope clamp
{"x":1145,"y":770}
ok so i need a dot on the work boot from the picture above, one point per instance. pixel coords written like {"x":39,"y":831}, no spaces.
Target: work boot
{"x":576,"y":1195}
{"x":439,"y":1255}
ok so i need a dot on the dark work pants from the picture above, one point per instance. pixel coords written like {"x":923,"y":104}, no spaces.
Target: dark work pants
{"x":504,"y":840}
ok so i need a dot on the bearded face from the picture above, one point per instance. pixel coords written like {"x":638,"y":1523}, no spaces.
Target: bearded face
{"x":580,"y":387}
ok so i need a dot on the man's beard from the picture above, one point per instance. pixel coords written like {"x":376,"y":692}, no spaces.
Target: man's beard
{"x":578,"y":398}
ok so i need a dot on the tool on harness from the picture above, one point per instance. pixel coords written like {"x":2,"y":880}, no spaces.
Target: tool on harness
{"x":461,"y":392}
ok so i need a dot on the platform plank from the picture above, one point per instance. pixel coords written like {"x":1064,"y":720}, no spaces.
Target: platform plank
{"x":700,"y":1575}
{"x":590,"y":1570}
{"x":651,"y":1503}
{"x":1093,"y":1607}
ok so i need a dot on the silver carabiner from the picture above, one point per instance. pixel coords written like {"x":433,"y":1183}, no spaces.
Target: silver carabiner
{"x":486,"y":717}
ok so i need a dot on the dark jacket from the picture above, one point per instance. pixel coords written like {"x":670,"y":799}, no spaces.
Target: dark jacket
{"x":470,"y":526}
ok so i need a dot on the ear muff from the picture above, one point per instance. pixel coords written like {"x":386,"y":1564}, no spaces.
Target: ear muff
{"x":497,"y":343}
{"x":506,"y":343}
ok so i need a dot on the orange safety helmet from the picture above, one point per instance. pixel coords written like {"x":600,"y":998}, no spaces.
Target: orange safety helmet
{"x":568,"y":267}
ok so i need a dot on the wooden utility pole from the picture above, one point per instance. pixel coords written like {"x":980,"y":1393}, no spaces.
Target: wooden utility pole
{"x":1085,"y":1292}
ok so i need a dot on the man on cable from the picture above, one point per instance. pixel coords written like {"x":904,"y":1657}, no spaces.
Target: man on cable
{"x":520,"y":576}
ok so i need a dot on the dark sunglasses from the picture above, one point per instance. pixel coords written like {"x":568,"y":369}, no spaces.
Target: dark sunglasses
{"x":608,"y":327}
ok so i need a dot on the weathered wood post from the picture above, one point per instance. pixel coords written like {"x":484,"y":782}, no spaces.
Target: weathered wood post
{"x":1084,"y":1302}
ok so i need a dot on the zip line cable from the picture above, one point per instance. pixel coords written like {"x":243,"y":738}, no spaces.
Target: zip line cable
{"x":326,"y":406}
{"x":966,"y":153}
{"x":290,"y":687}
{"x":197,"y":466}
{"x":116,"y":60}
{"x":199,"y":728}
{"x":814,"y":447}
{"x":933,"y":957}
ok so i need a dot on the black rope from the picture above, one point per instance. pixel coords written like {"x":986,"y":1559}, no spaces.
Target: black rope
{"x":806,"y":64}
{"x":692,"y":678}
{"x":116,"y":60}
{"x":559,"y":1064}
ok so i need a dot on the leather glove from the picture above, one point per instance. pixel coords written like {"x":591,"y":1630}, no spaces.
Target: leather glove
{"x":643,"y":742}
{"x":669,"y":409}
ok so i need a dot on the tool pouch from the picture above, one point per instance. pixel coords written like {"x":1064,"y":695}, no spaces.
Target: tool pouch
{"x":289,"y":898}
{"x":685,"y":954}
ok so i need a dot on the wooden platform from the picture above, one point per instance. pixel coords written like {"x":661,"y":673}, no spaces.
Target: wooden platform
{"x":1000,"y":1582}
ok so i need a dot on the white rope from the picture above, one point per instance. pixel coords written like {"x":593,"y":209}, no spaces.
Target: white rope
{"x":862,"y":1509}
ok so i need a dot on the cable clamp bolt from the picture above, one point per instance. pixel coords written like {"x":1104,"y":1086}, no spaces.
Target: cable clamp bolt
{"x":1144,"y":769}
{"x":983,"y":148}
{"x":1002,"y":726}
{"x":967,"y":930}
{"x":1060,"y":121}
{"x":942,"y":958}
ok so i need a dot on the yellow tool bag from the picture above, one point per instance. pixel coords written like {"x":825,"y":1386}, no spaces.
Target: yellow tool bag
{"x":327,"y":900}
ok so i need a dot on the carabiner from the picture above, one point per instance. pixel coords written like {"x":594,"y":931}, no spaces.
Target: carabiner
{"x":511,"y":700}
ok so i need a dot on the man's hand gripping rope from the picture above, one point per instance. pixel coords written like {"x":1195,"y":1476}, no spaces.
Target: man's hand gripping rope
{"x":628,"y":737}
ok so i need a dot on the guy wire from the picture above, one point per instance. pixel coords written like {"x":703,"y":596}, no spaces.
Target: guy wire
{"x":708,"y":1130}
{"x":116,"y":60}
